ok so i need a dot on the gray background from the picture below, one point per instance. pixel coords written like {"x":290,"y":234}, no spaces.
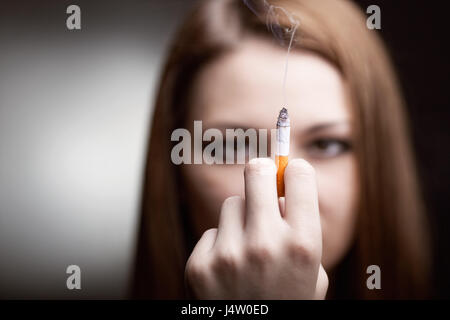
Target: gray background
{"x":74,"y":119}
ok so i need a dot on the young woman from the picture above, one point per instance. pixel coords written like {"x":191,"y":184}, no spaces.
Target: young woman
{"x":352,"y":197}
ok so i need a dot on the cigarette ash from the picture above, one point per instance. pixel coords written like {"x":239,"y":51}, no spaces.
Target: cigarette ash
{"x":283,"y":118}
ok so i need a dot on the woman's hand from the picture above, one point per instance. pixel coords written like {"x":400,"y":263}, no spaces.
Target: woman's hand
{"x":264,"y":247}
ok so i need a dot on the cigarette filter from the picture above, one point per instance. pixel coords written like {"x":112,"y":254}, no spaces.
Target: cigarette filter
{"x":282,"y":152}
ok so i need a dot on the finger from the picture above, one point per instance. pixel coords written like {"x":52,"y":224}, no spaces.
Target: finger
{"x":322,"y":284}
{"x":205,"y":244}
{"x":231,"y":221}
{"x":194,"y":274}
{"x":302,"y":208}
{"x":282,"y":205}
{"x":260,"y":192}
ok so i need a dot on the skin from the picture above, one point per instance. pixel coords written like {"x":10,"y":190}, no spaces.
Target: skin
{"x":256,"y":246}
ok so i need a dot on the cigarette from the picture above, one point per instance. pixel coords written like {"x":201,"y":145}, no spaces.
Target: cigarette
{"x":282,"y":152}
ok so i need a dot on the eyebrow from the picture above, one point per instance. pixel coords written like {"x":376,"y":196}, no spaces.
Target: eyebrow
{"x":324,"y":126}
{"x":309,"y":130}
{"x":234,"y":126}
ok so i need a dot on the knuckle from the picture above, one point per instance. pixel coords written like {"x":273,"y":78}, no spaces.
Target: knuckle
{"x":225,"y":261}
{"x":259,"y":253}
{"x":303,"y":252}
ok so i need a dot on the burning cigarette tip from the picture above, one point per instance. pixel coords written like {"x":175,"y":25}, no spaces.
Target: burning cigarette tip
{"x":283,"y":118}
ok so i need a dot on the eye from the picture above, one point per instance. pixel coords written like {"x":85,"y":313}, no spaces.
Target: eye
{"x":328,"y":147}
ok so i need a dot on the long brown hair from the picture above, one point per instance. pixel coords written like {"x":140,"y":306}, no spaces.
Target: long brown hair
{"x":391,"y":229}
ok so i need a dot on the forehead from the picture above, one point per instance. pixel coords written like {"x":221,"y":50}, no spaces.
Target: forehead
{"x":246,"y":86}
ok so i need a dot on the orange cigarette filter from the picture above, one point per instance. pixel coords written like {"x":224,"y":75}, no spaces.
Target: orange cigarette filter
{"x":282,"y":153}
{"x":281,"y":162}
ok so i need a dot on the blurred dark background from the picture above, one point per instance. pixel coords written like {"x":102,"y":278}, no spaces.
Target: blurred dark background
{"x":74,"y":112}
{"x":417,"y":35}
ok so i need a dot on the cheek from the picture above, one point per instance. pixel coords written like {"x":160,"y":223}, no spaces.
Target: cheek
{"x":338,"y":193}
{"x":208,"y":187}
{"x":337,"y":188}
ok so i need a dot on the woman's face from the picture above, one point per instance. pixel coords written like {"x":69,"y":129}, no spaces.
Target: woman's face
{"x":243,"y":89}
